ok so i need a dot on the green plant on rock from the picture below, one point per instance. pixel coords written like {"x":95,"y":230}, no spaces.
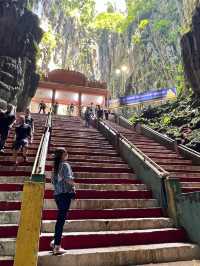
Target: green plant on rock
{"x":166,"y":120}
{"x":109,"y":21}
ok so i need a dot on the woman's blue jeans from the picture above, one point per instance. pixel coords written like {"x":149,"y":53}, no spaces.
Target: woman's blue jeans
{"x":63,"y":202}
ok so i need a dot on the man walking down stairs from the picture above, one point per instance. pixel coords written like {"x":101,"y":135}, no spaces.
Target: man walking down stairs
{"x":114,"y":220}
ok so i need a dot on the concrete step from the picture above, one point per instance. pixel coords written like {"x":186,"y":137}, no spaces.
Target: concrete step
{"x":152,"y":147}
{"x":48,"y":226}
{"x":13,"y":179}
{"x":177,"y":263}
{"x":9,"y":217}
{"x":103,"y":175}
{"x":172,"y":161}
{"x":100,"y":204}
{"x":10,"y":196}
{"x":84,"y":146}
{"x":157,"y":151}
{"x":117,"y":187}
{"x":115,"y":181}
{"x":76,"y":135}
{"x":123,"y":255}
{"x":80,"y":141}
{"x":182,"y":168}
{"x":96,"y":164}
{"x":188,"y":185}
{"x":164,"y":155}
{"x":89,"y":158}
{"x":7,"y":246}
{"x":102,"y":152}
{"x":9,"y":152}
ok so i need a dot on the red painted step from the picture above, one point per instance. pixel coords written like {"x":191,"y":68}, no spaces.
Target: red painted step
{"x":96,"y":194}
{"x":8,"y":231}
{"x":189,"y":190}
{"x":15,"y":173}
{"x":10,"y":205}
{"x":7,"y":263}
{"x":11,"y":187}
{"x":106,"y":214}
{"x":107,"y":181}
{"x":124,"y":238}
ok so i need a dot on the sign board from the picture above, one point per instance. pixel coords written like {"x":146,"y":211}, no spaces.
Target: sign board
{"x":167,"y":94}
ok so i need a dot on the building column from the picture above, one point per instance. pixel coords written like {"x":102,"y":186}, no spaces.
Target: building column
{"x":53,"y":97}
{"x":79,"y":103}
{"x":107,"y":101}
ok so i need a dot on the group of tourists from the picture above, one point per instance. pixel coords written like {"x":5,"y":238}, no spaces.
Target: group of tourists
{"x":43,"y":108}
{"x":24,"y":130}
{"x":95,"y":112}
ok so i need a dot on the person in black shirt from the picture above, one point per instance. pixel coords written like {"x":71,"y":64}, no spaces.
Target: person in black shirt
{"x":22,"y":137}
{"x":7,"y":120}
{"x":99,"y":112}
{"x":29,"y":120}
{"x":106,"y":112}
{"x":42,"y":107}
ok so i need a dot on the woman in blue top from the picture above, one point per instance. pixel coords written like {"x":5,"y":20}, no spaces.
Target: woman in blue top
{"x":64,"y":192}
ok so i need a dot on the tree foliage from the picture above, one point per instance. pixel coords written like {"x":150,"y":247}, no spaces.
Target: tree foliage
{"x":109,"y":21}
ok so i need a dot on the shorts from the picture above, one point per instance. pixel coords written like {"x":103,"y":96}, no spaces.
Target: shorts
{"x":20,"y":144}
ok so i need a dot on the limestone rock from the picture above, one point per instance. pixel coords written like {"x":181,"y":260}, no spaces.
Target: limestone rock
{"x":190,"y":45}
{"x":19,"y":36}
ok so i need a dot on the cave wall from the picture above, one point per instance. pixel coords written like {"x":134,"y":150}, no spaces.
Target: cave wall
{"x":190,"y":45}
{"x":152,"y":64}
{"x":19,"y":36}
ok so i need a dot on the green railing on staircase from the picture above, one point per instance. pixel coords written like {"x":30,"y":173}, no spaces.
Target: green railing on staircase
{"x":27,"y":243}
{"x":40,"y":159}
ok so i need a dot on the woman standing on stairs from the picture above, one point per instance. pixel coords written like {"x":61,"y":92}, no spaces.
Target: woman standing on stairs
{"x":62,"y":180}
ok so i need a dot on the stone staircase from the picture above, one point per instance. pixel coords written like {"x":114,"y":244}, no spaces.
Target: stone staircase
{"x":179,"y":167}
{"x":114,"y":220}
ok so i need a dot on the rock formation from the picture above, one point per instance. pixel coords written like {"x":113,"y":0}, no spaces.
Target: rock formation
{"x":19,"y":36}
{"x":190,"y":44}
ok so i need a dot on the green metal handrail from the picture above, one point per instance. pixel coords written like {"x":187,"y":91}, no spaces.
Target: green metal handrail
{"x":155,"y":167}
{"x":40,"y":159}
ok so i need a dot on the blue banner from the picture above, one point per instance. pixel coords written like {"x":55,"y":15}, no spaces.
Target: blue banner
{"x":148,"y":96}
